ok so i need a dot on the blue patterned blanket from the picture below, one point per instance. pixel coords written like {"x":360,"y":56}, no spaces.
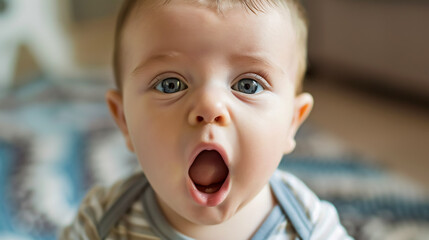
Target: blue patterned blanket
{"x":56,"y":141}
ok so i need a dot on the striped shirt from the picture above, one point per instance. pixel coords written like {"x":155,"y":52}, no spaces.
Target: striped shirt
{"x":143,"y":220}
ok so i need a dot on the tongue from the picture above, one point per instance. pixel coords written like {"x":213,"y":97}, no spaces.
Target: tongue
{"x":208,"y":168}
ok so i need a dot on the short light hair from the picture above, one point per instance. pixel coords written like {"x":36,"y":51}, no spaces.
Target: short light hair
{"x":298,"y":15}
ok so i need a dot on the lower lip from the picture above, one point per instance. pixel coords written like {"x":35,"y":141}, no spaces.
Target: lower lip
{"x":209,"y":199}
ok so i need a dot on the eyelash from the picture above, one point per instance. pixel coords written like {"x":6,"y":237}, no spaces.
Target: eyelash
{"x":164,"y":76}
{"x":261,"y":76}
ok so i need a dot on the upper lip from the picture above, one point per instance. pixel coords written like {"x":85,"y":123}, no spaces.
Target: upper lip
{"x":209,"y":146}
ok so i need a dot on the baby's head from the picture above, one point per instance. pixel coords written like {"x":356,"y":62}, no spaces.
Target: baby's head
{"x":294,"y":9}
{"x":209,"y":98}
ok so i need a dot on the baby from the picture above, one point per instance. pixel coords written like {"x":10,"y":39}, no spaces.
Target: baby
{"x":209,"y":99}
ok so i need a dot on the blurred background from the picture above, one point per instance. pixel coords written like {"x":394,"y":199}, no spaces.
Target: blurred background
{"x":369,"y":65}
{"x":365,"y":146}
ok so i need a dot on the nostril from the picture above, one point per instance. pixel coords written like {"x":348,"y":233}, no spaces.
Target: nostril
{"x":217,"y":119}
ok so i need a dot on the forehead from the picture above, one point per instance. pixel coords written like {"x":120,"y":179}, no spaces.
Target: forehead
{"x":202,"y":31}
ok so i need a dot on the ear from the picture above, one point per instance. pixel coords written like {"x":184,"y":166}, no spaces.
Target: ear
{"x":302,"y":108}
{"x":116,"y":107}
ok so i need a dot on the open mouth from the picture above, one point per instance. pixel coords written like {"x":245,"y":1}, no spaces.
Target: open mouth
{"x":208,"y":172}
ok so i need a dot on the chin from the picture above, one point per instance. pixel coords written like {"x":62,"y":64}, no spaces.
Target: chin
{"x":210,"y":217}
{"x":209,"y":221}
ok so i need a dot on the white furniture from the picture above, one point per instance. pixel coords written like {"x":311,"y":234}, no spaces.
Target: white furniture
{"x":39,"y":25}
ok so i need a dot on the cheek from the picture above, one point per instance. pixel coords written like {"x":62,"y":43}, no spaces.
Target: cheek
{"x":271,"y":125}
{"x":153,"y":134}
{"x":263,"y":139}
{"x":266,"y":146}
{"x":148,"y":123}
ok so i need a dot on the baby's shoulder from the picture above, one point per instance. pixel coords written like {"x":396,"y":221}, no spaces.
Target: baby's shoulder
{"x":102,"y":198}
{"x":305,"y":197}
{"x":322,"y":214}
{"x":94,"y":206}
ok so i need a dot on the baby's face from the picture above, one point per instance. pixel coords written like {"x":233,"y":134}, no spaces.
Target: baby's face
{"x":208,"y":103}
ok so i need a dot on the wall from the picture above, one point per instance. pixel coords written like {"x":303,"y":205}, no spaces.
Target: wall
{"x":386,"y":41}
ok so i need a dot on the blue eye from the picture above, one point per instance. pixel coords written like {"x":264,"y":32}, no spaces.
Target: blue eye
{"x":248,"y":86}
{"x":171,"y":85}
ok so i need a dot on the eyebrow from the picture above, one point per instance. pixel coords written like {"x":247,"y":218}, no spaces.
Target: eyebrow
{"x":247,"y":58}
{"x":161,"y":57}
{"x":256,"y":58}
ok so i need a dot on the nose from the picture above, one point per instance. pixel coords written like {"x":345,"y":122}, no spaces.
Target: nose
{"x":209,"y":108}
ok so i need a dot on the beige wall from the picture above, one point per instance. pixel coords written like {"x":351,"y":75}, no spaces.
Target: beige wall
{"x":384,"y":40}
